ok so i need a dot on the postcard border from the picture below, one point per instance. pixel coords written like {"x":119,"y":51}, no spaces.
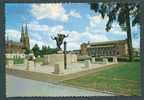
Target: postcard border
{"x":2,"y":49}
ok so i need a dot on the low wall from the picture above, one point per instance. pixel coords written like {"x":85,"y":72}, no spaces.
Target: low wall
{"x":14,"y":55}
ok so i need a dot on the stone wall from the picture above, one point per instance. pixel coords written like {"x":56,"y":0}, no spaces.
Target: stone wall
{"x":15,"y":55}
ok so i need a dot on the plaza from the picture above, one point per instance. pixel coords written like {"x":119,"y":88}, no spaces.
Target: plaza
{"x":50,"y":69}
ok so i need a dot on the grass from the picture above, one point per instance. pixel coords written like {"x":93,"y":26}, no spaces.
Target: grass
{"x":123,"y":79}
{"x":18,"y":61}
{"x":39,"y":59}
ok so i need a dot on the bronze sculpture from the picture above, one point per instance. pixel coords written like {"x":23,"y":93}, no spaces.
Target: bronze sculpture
{"x":59,"y":40}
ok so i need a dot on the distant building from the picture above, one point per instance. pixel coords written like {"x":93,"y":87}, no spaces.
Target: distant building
{"x":83,"y":49}
{"x":109,"y":48}
{"x":75,"y":52}
{"x":17,"y":48}
{"x":136,"y":51}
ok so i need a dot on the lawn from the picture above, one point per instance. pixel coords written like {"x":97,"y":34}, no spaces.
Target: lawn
{"x":123,"y":79}
{"x":39,"y":59}
{"x":18,"y":61}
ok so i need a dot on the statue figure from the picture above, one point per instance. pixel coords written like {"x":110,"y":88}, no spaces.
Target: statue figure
{"x":59,"y":40}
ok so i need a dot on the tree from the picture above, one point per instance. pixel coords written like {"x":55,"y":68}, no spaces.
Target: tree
{"x":27,"y":51}
{"x":36,"y":50}
{"x":121,"y":13}
{"x":44,"y":50}
{"x":51,"y":50}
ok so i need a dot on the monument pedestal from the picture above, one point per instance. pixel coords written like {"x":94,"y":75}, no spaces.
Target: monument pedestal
{"x":105,"y":60}
{"x":93,"y":59}
{"x":52,"y":59}
{"x":87,"y":63}
{"x":10,"y":63}
{"x":45,"y":61}
{"x":59,"y":68}
{"x":115,"y":59}
{"x":29,"y":64}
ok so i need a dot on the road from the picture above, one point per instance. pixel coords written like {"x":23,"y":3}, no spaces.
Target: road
{"x":16,"y":86}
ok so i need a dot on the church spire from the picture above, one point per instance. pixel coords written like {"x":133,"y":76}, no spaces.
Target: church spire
{"x":22,"y":30}
{"x":27,"y":45}
{"x":22,"y":34}
{"x":26,"y":30}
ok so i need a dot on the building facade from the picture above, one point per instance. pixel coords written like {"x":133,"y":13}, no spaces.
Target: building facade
{"x":110,"y":48}
{"x":83,"y":49}
{"x":13,"y":48}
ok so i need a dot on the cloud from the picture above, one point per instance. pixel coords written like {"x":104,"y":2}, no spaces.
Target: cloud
{"x":13,"y":34}
{"x":74,"y":14}
{"x":86,"y":36}
{"x":136,"y":43}
{"x":52,"y":11}
{"x":136,"y":36}
{"x":45,"y":28}
{"x":97,"y":25}
{"x":73,"y":46}
{"x":117,"y":30}
{"x":33,"y":42}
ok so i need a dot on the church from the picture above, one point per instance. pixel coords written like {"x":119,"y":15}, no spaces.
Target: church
{"x":14,"y":49}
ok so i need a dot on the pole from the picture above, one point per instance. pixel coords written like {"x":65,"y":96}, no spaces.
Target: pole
{"x":65,"y":59}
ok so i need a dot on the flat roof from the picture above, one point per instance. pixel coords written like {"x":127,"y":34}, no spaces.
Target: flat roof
{"x":107,"y":42}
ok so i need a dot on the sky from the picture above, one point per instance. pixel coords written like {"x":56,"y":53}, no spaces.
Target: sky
{"x":47,"y":20}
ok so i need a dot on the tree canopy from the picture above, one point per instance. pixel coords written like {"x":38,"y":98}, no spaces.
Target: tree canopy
{"x":43,"y":51}
{"x":117,"y":12}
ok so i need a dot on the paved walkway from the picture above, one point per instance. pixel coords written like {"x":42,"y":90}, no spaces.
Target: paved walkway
{"x":24,"y":87}
{"x":49,"y":69}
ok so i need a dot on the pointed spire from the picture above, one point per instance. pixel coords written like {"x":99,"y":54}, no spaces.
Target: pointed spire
{"x":22,"y":34}
{"x":26,"y":30}
{"x":22,"y":30}
{"x":27,"y":45}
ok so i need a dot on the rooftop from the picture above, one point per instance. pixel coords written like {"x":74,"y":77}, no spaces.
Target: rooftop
{"x":107,"y":42}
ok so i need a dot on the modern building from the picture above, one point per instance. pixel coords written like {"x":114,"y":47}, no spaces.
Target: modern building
{"x":14,"y":49}
{"x":109,"y":48}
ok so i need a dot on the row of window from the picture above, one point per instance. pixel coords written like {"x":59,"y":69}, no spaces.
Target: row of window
{"x":95,"y":52}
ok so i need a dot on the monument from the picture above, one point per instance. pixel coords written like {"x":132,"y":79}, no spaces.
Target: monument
{"x":59,"y":40}
{"x":61,"y":56}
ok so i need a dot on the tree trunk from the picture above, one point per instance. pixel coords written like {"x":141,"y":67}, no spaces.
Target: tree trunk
{"x":129,"y":37}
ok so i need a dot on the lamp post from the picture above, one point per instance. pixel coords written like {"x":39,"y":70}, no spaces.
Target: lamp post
{"x":65,"y":59}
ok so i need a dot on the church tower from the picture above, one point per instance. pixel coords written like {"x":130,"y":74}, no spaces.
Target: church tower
{"x":27,"y":45}
{"x":24,"y":38}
